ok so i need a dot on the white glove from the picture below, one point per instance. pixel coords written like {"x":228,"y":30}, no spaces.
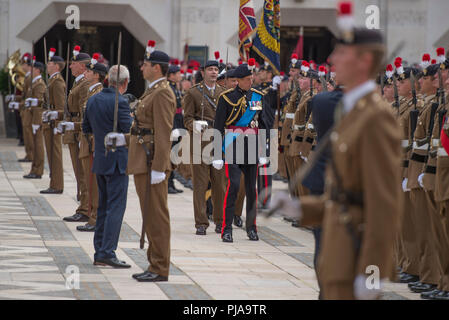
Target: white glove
{"x":157,"y":177}
{"x":276,"y":82}
{"x":35,"y":127}
{"x":362,"y":292}
{"x":31,"y":102}
{"x":68,"y":125}
{"x":286,"y":206}
{"x":13,"y":105}
{"x":176,"y":133}
{"x":420,"y":178}
{"x":9,"y":97}
{"x":45,"y":116}
{"x":217,"y":164}
{"x":263,"y":161}
{"x":199,"y":126}
{"x":60,"y":126}
{"x":120,"y":140}
{"x":52,"y":115}
{"x":55,"y":131}
{"x":404,"y":185}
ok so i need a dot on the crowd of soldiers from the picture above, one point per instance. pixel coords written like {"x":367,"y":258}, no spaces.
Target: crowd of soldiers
{"x":330,"y":118}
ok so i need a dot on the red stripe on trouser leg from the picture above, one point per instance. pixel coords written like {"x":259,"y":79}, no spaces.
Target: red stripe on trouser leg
{"x":257,"y":202}
{"x":266,"y":185}
{"x":225,"y":199}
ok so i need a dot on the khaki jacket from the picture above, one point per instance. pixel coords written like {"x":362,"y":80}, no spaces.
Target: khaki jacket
{"x":155,"y":111}
{"x":288,"y":119}
{"x":56,"y":94}
{"x":38,"y":92}
{"x":415,"y":168}
{"x":75,"y":102}
{"x":366,"y":152}
{"x":86,"y":149}
{"x":298,"y":126}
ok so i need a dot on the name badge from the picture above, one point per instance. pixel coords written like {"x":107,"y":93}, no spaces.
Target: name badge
{"x":255,"y":105}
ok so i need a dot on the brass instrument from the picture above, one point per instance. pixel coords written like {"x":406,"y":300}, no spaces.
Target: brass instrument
{"x":14,"y":68}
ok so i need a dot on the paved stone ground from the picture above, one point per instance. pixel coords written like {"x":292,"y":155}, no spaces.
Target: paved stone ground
{"x":36,"y":248}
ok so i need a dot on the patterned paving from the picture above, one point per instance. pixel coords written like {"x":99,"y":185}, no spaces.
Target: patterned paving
{"x":39,"y":251}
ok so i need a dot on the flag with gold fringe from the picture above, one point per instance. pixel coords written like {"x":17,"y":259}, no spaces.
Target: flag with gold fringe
{"x":266,"y":43}
{"x":247,"y":27}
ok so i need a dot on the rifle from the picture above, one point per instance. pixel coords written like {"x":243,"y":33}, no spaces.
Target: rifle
{"x":323,"y":83}
{"x":32,"y":66}
{"x":119,"y":54}
{"x":396,"y":95}
{"x":415,"y":112}
{"x":47,"y":106}
{"x":382,"y":83}
{"x":66,"y":107}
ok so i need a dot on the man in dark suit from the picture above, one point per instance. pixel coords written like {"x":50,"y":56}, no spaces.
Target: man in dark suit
{"x":323,"y":107}
{"x":109,"y":167}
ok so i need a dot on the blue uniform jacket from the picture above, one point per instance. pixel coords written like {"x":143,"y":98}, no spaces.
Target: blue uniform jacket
{"x":99,"y":120}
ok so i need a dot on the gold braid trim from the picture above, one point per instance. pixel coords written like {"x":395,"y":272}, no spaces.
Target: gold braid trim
{"x":241,"y":102}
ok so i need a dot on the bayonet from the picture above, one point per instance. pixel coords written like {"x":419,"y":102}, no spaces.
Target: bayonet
{"x":113,"y":148}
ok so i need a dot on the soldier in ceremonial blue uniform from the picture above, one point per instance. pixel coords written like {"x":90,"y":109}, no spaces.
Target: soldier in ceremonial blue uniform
{"x":242,"y":112}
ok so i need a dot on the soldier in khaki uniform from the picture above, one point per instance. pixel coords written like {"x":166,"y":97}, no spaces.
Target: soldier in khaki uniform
{"x":151,"y":133}
{"x":428,"y":272}
{"x":53,"y":143}
{"x":25,"y":113}
{"x":406,"y":246}
{"x":34,"y":102}
{"x":199,"y":104}
{"x":76,"y":101}
{"x":95,"y":75}
{"x":359,"y":212}
{"x":436,"y":192}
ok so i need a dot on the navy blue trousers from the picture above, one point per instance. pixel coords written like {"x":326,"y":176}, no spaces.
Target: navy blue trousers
{"x":112,"y":194}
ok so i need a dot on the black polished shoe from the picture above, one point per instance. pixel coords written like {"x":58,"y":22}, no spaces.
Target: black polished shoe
{"x":252,"y":235}
{"x":25,"y":160}
{"x":178,"y":190}
{"x":423,"y":287}
{"x":51,"y":191}
{"x":218,"y":228}
{"x":32,"y":176}
{"x":407,"y":278}
{"x":288,"y":219}
{"x":21,"y":143}
{"x":135,"y":275}
{"x":172,"y":190}
{"x":149,"y":276}
{"x":112,"y":262}
{"x":415,"y":283}
{"x":295,"y":224}
{"x":429,"y":294}
{"x":238,"y":221}
{"x":227,"y":237}
{"x":189,"y":184}
{"x":201,"y":231}
{"x":77,"y":217}
{"x":442,"y":295}
{"x":86,"y":228}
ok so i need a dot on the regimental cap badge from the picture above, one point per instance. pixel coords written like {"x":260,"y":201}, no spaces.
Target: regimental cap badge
{"x":51,"y":53}
{"x":251,"y":64}
{"x":94,"y":60}
{"x":305,"y":67}
{"x":399,"y":67}
{"x":322,"y":71}
{"x":425,"y":63}
{"x":441,"y":58}
{"x":389,"y":74}
{"x":76,"y":52}
{"x":345,"y":21}
{"x":150,"y":48}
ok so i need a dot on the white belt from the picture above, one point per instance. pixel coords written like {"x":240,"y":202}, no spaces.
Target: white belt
{"x":276,"y":113}
{"x":442,"y":152}
{"x":435,"y":142}
{"x":290,"y":115}
{"x":299,"y":127}
{"x":423,"y":147}
{"x":310,"y":126}
{"x":404,"y":143}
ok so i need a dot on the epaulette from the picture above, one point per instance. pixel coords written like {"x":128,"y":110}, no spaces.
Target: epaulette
{"x":196,"y":85}
{"x":226,"y":91}
{"x":257,"y":91}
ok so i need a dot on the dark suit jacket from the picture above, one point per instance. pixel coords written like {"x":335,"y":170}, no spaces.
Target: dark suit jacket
{"x":323,"y":107}
{"x":99,"y":120}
